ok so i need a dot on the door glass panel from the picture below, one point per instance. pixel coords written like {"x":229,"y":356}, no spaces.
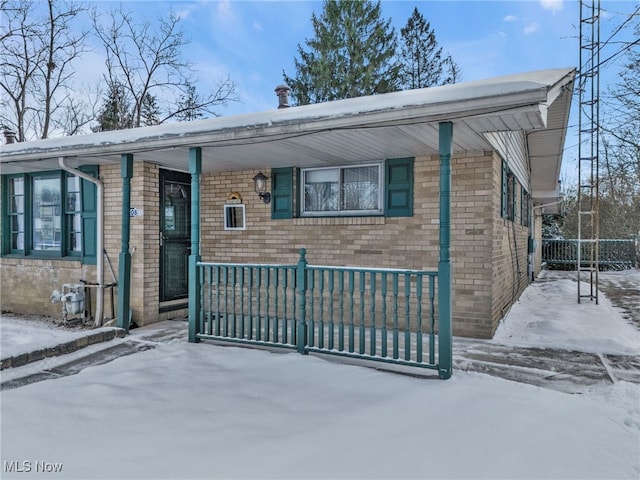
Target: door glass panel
{"x":175,"y":224}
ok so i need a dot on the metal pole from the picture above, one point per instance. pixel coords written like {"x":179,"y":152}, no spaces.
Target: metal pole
{"x":195,"y":168}
{"x":445,"y":353}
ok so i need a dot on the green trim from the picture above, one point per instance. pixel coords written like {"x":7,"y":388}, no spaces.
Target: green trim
{"x":504,"y":196}
{"x":445,"y":283}
{"x":282,"y":193}
{"x":124,"y":259}
{"x":89,"y":194}
{"x":195,"y":169}
{"x":88,"y":214}
{"x":398,"y":194}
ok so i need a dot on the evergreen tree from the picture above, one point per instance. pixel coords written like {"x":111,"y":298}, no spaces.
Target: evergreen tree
{"x":116,"y":110}
{"x":351,"y":55}
{"x":422,"y":60}
{"x":149,"y":111}
{"x":189,"y":105}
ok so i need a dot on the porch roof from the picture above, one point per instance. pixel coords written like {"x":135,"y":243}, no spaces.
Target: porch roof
{"x":398,"y":124}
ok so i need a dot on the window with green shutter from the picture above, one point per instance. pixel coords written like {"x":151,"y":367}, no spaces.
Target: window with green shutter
{"x":349,"y":190}
{"x":49,"y":214}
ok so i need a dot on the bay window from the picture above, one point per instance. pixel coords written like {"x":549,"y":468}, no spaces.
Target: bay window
{"x":49,"y":214}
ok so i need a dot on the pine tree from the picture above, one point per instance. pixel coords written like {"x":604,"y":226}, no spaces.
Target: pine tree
{"x":189,"y":105}
{"x":149,"y":111}
{"x":423,"y":64}
{"x":116,"y":111}
{"x":351,"y":55}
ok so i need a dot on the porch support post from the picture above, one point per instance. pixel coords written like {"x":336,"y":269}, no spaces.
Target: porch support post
{"x":445,"y":353}
{"x":124,"y":259}
{"x":301,"y":280}
{"x":195,"y":169}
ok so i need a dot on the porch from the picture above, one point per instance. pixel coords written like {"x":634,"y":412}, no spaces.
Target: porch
{"x":381,"y":315}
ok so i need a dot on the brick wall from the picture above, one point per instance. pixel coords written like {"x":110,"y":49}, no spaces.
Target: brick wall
{"x":486,"y":276}
{"x":404,"y":242}
{"x":27,"y":284}
{"x":144,"y":235}
{"x":509,"y":254}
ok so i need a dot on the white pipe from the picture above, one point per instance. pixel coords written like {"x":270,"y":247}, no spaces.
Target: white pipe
{"x":99,"y":235}
{"x":548,"y":204}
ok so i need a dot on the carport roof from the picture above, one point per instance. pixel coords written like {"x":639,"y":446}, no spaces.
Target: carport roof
{"x":398,"y":124}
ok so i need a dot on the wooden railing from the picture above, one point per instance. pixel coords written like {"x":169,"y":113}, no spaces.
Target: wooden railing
{"x":386,"y":315}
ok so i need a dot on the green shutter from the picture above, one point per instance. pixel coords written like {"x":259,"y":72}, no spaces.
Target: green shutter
{"x":503,"y":202}
{"x":282,"y":192}
{"x":398,"y":195}
{"x":89,"y":217}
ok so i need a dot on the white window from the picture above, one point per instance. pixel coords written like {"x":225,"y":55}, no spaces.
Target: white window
{"x":342,"y":190}
{"x":234,"y":217}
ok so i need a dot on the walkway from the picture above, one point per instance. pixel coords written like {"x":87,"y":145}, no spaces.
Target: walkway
{"x":554,"y":368}
{"x":562,"y":370}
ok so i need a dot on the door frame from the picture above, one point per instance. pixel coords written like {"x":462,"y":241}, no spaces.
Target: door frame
{"x":183,"y":178}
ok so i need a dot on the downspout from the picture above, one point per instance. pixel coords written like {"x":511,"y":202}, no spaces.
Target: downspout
{"x":99,"y":235}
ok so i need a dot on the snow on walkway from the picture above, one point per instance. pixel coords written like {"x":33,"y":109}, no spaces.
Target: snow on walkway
{"x":23,"y":333}
{"x":186,"y":411}
{"x":548,"y":315}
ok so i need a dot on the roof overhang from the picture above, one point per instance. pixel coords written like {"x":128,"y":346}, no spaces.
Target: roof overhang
{"x":347,"y":131}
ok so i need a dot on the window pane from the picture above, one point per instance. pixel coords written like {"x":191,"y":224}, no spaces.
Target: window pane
{"x":321,"y":190}
{"x":75,"y":232}
{"x":16,"y":213}
{"x":360,"y":189}
{"x":47,"y":219}
{"x":16,"y":194}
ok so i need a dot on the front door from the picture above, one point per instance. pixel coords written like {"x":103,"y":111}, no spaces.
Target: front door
{"x":175,"y":231}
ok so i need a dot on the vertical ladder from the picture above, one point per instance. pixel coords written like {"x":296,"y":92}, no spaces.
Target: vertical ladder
{"x":587,"y":263}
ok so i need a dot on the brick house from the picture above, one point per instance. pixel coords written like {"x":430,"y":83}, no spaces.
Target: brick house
{"x":355,"y":182}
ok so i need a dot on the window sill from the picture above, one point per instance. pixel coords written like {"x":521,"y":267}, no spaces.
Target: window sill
{"x":372,"y":220}
{"x":19,"y":256}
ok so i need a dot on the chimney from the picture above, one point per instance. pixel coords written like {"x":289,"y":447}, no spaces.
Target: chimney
{"x":9,"y":136}
{"x":283,"y":96}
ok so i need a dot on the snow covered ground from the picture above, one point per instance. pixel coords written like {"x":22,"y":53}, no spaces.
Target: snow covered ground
{"x":201,"y":411}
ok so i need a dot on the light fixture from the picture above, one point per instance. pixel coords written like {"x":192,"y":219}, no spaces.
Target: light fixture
{"x":260,"y":181}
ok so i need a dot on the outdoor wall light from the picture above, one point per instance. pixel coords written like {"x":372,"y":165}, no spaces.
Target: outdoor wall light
{"x":260,"y":181}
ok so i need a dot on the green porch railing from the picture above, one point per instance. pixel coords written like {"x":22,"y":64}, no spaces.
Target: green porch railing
{"x":385,"y":315}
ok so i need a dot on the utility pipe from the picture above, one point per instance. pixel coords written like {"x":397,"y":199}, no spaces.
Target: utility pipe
{"x":99,"y":234}
{"x":548,"y":204}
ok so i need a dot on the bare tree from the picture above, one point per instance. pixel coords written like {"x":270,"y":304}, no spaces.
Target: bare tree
{"x":39,"y":46}
{"x":147,"y":61}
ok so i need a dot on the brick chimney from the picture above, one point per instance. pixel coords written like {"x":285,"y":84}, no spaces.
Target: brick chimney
{"x":282,"y":91}
{"x":9,"y":136}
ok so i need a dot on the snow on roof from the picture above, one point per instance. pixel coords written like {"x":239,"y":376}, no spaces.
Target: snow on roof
{"x":447,"y":101}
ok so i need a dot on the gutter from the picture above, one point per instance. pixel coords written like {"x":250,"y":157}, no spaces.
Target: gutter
{"x":99,"y":239}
